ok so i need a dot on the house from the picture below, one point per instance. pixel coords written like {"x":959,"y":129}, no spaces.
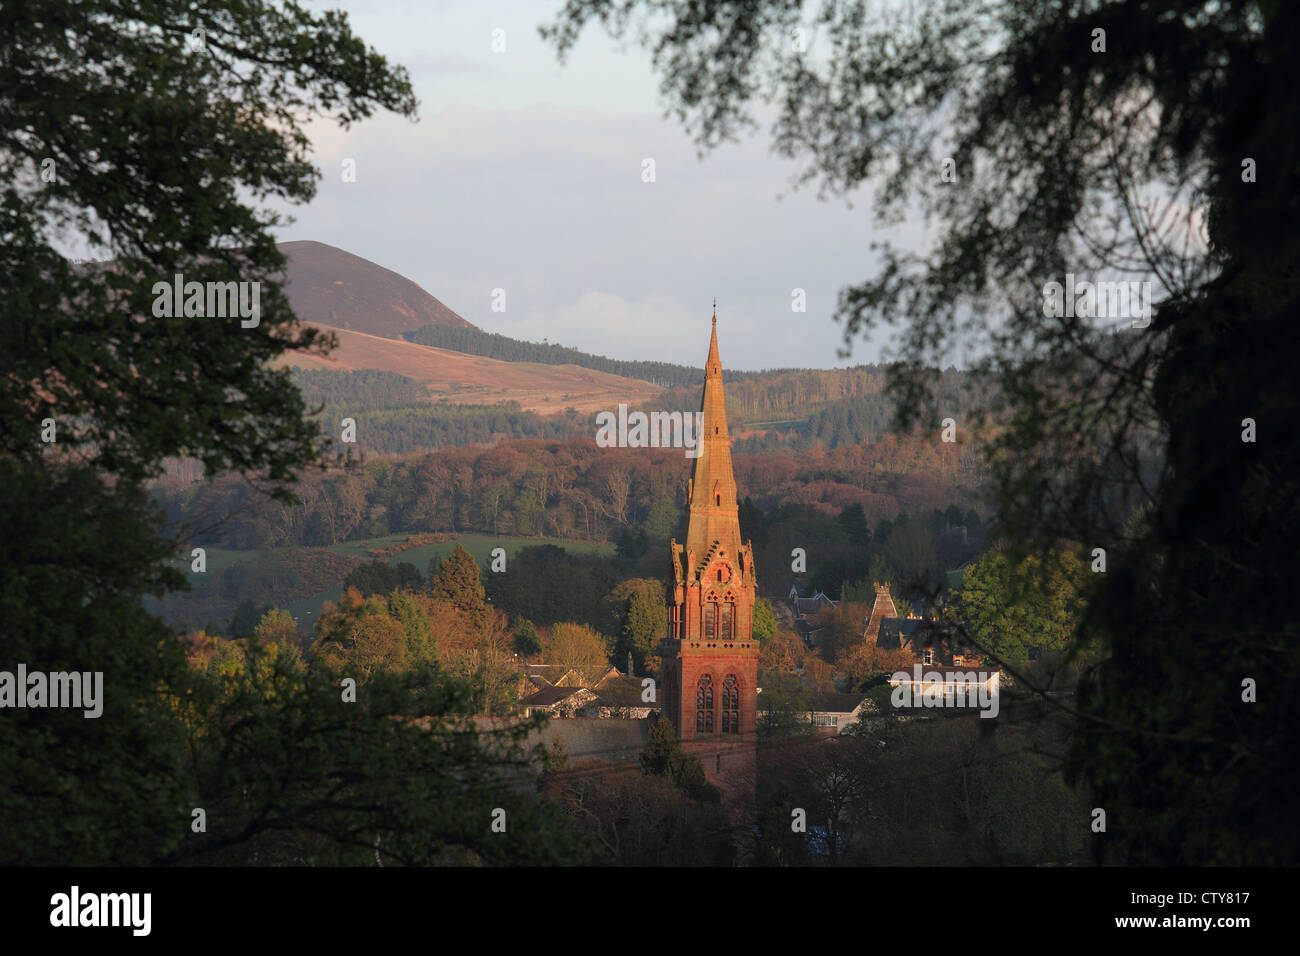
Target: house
{"x":929,"y":642}
{"x":952,"y":687}
{"x":809,"y":614}
{"x":830,"y":714}
{"x":613,"y":695}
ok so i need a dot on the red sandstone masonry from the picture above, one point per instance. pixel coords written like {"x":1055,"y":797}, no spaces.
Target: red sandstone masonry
{"x":711,"y":572}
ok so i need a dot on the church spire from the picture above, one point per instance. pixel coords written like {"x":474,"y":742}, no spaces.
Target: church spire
{"x":713,"y":365}
{"x":713,"y":506}
{"x":710,"y":663}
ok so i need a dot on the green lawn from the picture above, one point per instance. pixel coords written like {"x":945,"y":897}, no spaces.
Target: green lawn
{"x":218,"y":559}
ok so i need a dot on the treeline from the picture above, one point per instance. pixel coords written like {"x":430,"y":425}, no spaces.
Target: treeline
{"x":564,"y":488}
{"x":568,"y":488}
{"x":850,"y":421}
{"x":798,"y":411}
{"x":781,"y":395}
{"x":840,"y":405}
{"x":365,"y":388}
{"x":398,"y":431}
{"x":848,"y":552}
{"x":394,"y":415}
{"x":497,"y":346}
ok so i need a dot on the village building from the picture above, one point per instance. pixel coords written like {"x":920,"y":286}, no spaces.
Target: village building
{"x":928,"y":641}
{"x":832,"y":714}
{"x":810,"y":614}
{"x":623,"y":697}
{"x":949,"y":686}
{"x":557,"y":701}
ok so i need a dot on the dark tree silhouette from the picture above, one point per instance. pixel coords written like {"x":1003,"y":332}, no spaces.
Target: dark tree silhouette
{"x":1050,"y":141}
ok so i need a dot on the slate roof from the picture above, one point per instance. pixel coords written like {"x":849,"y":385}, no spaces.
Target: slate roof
{"x":550,"y":695}
{"x":836,"y":703}
{"x":813,"y":604}
{"x":897,"y":631}
{"x":621,"y":690}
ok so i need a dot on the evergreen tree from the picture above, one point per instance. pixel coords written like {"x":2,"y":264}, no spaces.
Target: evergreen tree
{"x":247,"y":615}
{"x":457,"y":581}
{"x":645,"y":625}
{"x":408,"y":609}
{"x":764,"y":619}
{"x":664,"y":756}
{"x":526,"y":641}
{"x":854,"y":522}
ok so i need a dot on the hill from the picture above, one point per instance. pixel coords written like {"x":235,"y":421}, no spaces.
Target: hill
{"x":463,"y":379}
{"x":328,"y":286}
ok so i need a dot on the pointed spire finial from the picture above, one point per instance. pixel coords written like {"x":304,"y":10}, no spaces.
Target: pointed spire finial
{"x":715,"y":310}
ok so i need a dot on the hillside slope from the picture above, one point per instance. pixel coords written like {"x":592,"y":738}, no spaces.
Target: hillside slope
{"x":473,"y":380}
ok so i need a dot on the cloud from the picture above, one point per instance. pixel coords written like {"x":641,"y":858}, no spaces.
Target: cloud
{"x":444,"y":64}
{"x":657,"y":327}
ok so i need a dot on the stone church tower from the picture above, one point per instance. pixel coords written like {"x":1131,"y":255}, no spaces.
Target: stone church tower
{"x":711,"y":658}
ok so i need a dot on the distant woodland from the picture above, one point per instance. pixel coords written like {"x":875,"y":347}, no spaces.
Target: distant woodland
{"x":801,"y":411}
{"x":497,"y":346}
{"x":566,"y":488}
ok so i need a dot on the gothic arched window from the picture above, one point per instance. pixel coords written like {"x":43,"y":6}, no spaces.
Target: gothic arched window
{"x":704,"y":705}
{"x":728,"y":612}
{"x":731,"y":705}
{"x":710,"y":617}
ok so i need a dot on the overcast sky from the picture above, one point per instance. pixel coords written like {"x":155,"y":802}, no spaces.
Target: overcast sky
{"x":526,"y":175}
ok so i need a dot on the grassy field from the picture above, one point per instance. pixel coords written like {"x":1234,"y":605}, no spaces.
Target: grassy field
{"x":218,"y":559}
